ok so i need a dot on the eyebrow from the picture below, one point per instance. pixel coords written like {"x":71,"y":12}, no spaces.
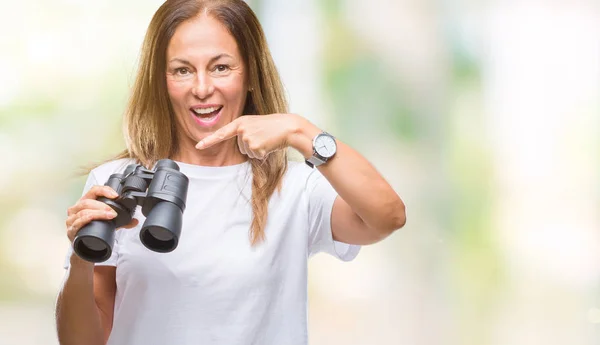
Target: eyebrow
{"x":213,"y":59}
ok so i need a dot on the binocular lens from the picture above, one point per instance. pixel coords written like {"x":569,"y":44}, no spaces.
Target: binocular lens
{"x":92,"y":249}
{"x":162,"y":227}
{"x":92,"y":241}
{"x":158,"y":239}
{"x":161,"y":234}
{"x":93,"y":244}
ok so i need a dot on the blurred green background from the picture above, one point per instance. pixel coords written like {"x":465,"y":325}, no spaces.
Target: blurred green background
{"x":484,"y":116}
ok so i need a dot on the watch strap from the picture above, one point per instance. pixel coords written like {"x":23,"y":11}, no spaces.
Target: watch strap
{"x":315,"y":161}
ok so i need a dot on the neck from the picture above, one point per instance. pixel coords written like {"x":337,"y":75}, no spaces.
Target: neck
{"x":222,"y":154}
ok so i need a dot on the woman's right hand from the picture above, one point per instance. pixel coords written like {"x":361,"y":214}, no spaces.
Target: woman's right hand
{"x":88,"y":208}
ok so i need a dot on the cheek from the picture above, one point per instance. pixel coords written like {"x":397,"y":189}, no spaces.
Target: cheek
{"x":233,"y":90}
{"x":176,"y":90}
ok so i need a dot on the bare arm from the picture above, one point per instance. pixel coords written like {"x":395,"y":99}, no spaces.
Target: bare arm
{"x":367,"y":209}
{"x":85,"y":305}
{"x":84,"y":309}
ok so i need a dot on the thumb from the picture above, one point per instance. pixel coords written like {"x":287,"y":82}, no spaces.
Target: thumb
{"x":134,"y":222}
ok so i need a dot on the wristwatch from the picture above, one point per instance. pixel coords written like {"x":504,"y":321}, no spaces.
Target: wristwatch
{"x":324,"y":147}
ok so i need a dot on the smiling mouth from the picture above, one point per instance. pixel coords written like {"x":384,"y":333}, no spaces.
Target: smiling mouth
{"x":206,"y":117}
{"x":207,"y":113}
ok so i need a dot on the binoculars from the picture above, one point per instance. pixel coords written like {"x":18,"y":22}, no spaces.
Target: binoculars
{"x":161,"y":193}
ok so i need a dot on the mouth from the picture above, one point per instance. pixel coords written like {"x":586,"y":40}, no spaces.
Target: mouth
{"x":206,"y":116}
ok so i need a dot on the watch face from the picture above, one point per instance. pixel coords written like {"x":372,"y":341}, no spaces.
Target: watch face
{"x":325,"y":146}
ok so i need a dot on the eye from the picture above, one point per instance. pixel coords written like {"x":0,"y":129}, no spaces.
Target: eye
{"x":221,"y":68}
{"x":182,"y":71}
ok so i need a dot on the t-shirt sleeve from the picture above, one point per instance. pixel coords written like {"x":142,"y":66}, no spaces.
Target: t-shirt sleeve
{"x":321,"y":197}
{"x":112,"y":261}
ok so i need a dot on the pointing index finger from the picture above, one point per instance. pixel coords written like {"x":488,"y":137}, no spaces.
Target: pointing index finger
{"x":228,"y":131}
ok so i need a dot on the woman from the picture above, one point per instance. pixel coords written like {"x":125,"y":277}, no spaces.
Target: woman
{"x":209,"y":97}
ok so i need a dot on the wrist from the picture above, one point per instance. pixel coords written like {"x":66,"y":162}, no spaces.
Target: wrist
{"x":301,"y":135}
{"x":80,"y":264}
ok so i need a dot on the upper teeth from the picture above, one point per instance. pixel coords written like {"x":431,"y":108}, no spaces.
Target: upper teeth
{"x":203,"y":111}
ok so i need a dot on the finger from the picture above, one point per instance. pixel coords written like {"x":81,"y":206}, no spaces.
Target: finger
{"x":87,"y":203}
{"x":97,"y":191}
{"x":92,"y":214}
{"x":261,"y":154}
{"x":249,"y":152}
{"x":258,"y":151}
{"x":81,"y":219}
{"x":226,"y":132}
{"x":241,"y":146}
{"x":134,"y":222}
{"x":247,"y":149}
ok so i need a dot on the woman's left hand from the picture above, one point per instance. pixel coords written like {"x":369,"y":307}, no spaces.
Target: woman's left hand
{"x":259,"y":135}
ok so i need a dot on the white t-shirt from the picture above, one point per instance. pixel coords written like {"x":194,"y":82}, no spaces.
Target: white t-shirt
{"x":215,"y":288}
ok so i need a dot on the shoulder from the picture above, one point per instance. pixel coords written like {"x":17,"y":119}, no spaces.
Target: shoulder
{"x":102,"y":172}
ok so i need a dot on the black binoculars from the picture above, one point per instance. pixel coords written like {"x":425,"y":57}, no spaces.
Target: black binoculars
{"x":160,"y":192}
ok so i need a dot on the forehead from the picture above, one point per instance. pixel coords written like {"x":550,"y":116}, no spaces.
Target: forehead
{"x":201,"y":37}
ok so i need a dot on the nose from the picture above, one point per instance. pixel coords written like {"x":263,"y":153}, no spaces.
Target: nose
{"x":203,"y":86}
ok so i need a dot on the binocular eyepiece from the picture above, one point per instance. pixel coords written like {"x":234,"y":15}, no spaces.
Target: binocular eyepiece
{"x":161,"y":193}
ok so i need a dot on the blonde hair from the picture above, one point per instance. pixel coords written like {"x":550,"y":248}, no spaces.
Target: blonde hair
{"x":149,"y":120}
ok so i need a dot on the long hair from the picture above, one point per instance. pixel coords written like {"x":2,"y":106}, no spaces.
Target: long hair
{"x":149,"y":119}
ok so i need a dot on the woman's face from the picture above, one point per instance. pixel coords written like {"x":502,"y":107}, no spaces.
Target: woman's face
{"x":206,"y":77}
